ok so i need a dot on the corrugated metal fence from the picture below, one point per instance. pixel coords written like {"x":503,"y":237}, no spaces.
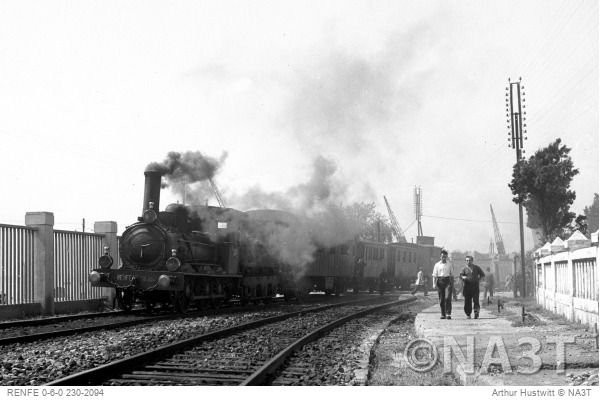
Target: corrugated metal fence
{"x":75,"y":255}
{"x":16,"y":264}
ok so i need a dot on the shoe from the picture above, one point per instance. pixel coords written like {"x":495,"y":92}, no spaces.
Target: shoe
{"x":468,"y":317}
{"x":448,"y":317}
{"x":443,"y":317}
{"x":476,"y":316}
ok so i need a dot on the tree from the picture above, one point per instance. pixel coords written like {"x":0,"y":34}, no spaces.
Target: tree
{"x":580,"y":224}
{"x":541,"y":184}
{"x":366,"y":221}
{"x":591,"y":214}
{"x":360,"y":219}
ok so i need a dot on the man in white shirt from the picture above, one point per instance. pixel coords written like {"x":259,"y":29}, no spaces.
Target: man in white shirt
{"x":420,"y":283}
{"x":443,"y":280}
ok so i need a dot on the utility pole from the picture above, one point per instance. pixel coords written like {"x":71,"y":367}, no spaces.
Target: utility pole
{"x":418,"y":199}
{"x":83,"y":225}
{"x":514,"y":100}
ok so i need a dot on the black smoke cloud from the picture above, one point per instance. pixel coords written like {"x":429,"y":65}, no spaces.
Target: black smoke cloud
{"x":186,"y":174}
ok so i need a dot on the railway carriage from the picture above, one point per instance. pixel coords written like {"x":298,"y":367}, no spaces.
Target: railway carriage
{"x":374,"y":259}
{"x":403,"y":261}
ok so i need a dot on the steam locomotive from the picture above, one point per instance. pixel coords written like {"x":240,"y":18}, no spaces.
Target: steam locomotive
{"x":206,"y":256}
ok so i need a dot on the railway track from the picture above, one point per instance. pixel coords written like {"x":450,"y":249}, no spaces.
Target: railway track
{"x":245,"y":354}
{"x":27,"y":323}
{"x":27,"y":331}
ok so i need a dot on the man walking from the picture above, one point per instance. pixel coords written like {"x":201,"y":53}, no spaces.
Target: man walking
{"x":488,"y":284}
{"x":382,"y":282}
{"x":443,"y":280}
{"x":471,"y":274}
{"x":420,"y":283}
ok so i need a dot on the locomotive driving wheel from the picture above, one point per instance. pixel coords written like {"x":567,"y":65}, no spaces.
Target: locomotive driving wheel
{"x":126,"y":299}
{"x":214,"y":291}
{"x":182,"y":299}
{"x":149,"y":304}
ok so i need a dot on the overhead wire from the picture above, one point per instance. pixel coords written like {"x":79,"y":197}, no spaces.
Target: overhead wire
{"x":469,"y":220}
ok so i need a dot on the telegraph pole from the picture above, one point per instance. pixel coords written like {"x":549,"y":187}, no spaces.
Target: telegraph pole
{"x":514,"y":100}
{"x":418,"y":193}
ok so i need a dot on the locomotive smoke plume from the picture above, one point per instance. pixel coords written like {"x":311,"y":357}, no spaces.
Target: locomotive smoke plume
{"x":318,"y":198}
{"x":182,"y":170}
{"x":357,"y":106}
{"x":307,"y":199}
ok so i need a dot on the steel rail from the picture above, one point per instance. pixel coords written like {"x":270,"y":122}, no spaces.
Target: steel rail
{"x":54,"y":320}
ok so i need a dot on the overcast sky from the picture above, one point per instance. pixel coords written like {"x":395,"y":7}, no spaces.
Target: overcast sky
{"x":386,"y":95}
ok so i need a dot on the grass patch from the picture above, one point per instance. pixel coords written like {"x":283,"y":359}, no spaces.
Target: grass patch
{"x":394,"y":376}
{"x":389,"y":367}
{"x":536,"y":314}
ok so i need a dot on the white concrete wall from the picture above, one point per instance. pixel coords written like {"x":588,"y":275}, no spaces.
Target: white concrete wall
{"x":580,"y":279}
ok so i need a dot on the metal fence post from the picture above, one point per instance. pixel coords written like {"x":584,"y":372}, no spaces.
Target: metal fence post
{"x":43,"y":249}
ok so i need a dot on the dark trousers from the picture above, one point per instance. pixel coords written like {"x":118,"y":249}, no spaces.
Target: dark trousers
{"x":471,"y":293}
{"x":445,"y":289}
{"x":487,"y":290}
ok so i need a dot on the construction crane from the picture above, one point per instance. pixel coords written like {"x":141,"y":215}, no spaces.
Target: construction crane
{"x":396,"y":231}
{"x":217,"y":193}
{"x":499,"y":242}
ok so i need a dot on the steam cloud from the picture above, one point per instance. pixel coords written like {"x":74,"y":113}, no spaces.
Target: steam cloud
{"x":307,"y":199}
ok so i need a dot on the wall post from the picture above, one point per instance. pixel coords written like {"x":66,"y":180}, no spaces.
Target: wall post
{"x":571,"y":275}
{"x":43,"y":248}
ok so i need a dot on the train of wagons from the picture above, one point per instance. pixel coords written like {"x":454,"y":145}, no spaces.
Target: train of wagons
{"x":206,"y":256}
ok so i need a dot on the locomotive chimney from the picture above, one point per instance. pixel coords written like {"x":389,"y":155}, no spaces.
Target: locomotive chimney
{"x":152,"y":189}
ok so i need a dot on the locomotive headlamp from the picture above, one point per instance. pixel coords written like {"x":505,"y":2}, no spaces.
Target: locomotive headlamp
{"x":173,"y":264}
{"x":149,"y":216}
{"x":164,"y":281}
{"x":105,"y":261}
